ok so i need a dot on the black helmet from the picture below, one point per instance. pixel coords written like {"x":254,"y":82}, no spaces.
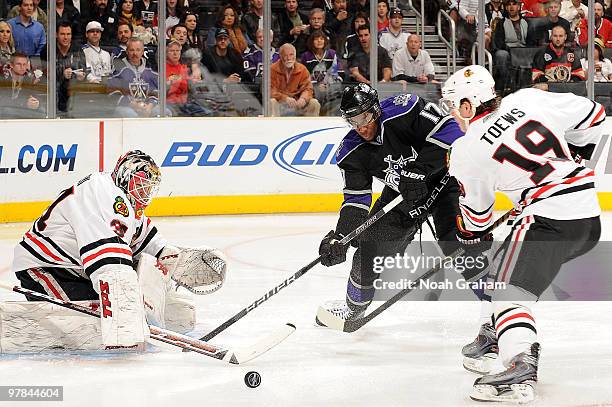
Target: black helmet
{"x":360,"y":105}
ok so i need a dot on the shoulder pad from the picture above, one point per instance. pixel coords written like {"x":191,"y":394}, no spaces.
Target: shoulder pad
{"x":348,"y":144}
{"x":397,"y":105}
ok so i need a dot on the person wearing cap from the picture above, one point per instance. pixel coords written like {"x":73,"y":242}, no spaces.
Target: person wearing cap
{"x":102,"y":13}
{"x":29,"y":35}
{"x":98,"y":60}
{"x":573,"y":11}
{"x":603,"y":27}
{"x":394,"y":37}
{"x":223,"y":60}
{"x":603,"y":66}
{"x":511,"y":32}
{"x":291,"y":88}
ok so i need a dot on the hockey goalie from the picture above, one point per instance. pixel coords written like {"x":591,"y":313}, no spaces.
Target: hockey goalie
{"x":94,"y":245}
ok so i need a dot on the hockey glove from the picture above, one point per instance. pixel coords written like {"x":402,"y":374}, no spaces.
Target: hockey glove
{"x":474,"y":243}
{"x":413,"y":184}
{"x":332,"y":252}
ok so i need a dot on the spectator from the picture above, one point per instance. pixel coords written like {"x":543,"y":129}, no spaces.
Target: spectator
{"x":253,"y":58}
{"x":466,"y":30}
{"x":37,"y":15}
{"x":29,"y":35}
{"x":98,"y":60}
{"x":603,"y":66}
{"x":223,"y":60}
{"x":174,"y":13}
{"x":71,"y":66}
{"x":359,"y":63}
{"x":413,"y":64}
{"x":291,"y":23}
{"x":394,"y":37}
{"x":102,"y":13}
{"x":146,"y":10}
{"x":124,"y":33}
{"x":352,"y":41}
{"x":137,"y":84}
{"x":573,"y":11}
{"x":494,"y":10}
{"x":322,"y":63}
{"x":316,"y":23}
{"x":20,"y":101}
{"x":252,"y":20}
{"x":190,"y":21}
{"x":511,"y":32}
{"x":534,"y":8}
{"x":292,"y":92}
{"x":7,"y":44}
{"x":126,"y":14}
{"x":541,"y":28}
{"x":339,"y":22}
{"x":179,"y":34}
{"x":603,"y":27}
{"x":556,"y":62}
{"x":177,"y":82}
{"x":227,"y":18}
{"x":382,"y":11}
{"x":356,"y":6}
{"x":67,"y":13}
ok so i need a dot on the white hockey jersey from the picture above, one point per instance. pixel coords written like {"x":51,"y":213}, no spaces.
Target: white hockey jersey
{"x":522,"y":150}
{"x":89,"y":227}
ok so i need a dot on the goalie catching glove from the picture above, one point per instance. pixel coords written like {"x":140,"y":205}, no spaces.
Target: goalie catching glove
{"x":332,"y":252}
{"x":200,"y":270}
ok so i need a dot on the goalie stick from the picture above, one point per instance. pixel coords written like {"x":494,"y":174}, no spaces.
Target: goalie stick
{"x":334,"y":322}
{"x":233,"y":356}
{"x":346,"y":240}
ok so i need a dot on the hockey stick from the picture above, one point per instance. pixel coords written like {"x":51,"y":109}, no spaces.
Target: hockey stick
{"x":334,"y":322}
{"x":235,"y":356}
{"x":344,"y":241}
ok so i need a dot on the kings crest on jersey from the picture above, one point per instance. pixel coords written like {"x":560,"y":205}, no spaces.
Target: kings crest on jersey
{"x":410,"y":129}
{"x":88,"y":227}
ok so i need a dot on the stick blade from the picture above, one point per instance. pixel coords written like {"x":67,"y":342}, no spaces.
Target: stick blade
{"x":243,"y":355}
{"x":330,"y":320}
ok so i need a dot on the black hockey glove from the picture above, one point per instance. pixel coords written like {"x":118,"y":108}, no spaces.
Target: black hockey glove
{"x":331,"y":251}
{"x":413,"y":184}
{"x":474,"y":243}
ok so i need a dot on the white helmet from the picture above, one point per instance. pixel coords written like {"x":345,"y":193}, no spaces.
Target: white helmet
{"x":473,"y":82}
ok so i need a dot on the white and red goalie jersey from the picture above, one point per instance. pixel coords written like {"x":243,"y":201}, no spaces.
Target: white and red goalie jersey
{"x":90,"y":227}
{"x":523,"y":150}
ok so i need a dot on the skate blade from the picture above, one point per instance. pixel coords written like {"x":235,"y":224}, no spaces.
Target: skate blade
{"x":515,"y":393}
{"x":482,"y":365}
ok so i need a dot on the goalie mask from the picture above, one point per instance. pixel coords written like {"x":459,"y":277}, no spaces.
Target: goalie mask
{"x":138,"y":176}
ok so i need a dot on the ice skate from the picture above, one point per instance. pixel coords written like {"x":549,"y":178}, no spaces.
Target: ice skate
{"x":340,"y":309}
{"x":516,"y":384}
{"x":479,"y":355}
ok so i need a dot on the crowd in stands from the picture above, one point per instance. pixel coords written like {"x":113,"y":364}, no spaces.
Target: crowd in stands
{"x":111,"y":46}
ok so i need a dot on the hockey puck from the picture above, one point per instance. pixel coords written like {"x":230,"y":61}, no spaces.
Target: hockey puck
{"x":252,"y":379}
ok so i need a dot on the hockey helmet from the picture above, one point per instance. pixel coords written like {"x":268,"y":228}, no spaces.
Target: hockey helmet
{"x":139,"y":177}
{"x":359,"y":105}
{"x":473,"y":83}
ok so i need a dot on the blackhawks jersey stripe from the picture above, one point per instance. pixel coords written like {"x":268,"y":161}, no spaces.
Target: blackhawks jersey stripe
{"x":51,"y":243}
{"x":115,"y":239}
{"x":92,"y":267}
{"x":35,"y":254}
{"x":114,"y":250}
{"x":146,"y":241}
{"x":43,"y":247}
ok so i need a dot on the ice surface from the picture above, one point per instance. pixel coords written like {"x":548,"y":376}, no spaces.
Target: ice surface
{"x":409,"y":356}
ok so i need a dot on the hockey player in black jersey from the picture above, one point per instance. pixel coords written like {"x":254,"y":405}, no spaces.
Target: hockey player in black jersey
{"x":402,"y":141}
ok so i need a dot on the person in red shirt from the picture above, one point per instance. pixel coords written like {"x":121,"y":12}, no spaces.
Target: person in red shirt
{"x":603,"y":27}
{"x":534,"y":8}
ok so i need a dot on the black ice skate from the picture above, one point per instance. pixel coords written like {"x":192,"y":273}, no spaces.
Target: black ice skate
{"x":516,"y":384}
{"x":479,"y":356}
{"x":340,"y":309}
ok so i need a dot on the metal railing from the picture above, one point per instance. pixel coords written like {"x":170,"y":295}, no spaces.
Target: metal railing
{"x":451,"y":47}
{"x":486,"y":52}
{"x":419,"y":21}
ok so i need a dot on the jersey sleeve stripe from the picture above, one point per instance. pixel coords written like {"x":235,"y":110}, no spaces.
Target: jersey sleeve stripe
{"x":106,"y":261}
{"x":146,"y":241}
{"x":98,"y":243}
{"x":542,"y":190}
{"x":477,"y":213}
{"x":36,"y":254}
{"x":602,"y":111}
{"x":99,"y":253}
{"x":475,"y":219}
{"x":42,"y":247}
{"x":56,"y":247}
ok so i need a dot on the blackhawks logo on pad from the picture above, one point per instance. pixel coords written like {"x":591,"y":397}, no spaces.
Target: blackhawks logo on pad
{"x":120,"y":207}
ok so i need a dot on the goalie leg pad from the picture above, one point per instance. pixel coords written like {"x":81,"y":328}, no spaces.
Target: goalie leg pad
{"x":122,"y":314}
{"x":180,"y":312}
{"x":153,"y":282}
{"x":34,"y":327}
